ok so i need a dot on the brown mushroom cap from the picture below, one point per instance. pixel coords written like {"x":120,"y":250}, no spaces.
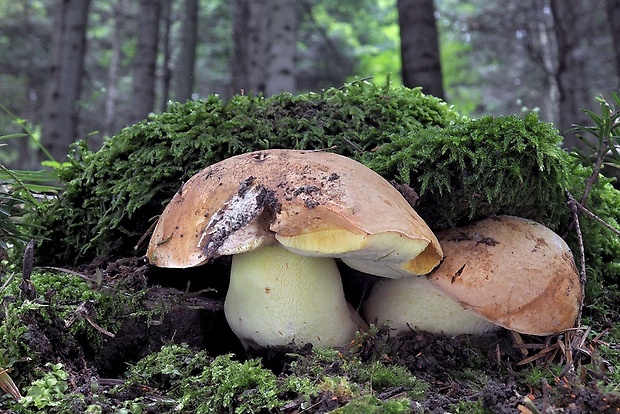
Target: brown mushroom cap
{"x":313,"y":203}
{"x":513,"y":272}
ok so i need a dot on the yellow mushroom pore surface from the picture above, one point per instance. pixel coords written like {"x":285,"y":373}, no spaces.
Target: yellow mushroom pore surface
{"x":279,"y":298}
{"x":414,"y":303}
{"x":383,"y":254}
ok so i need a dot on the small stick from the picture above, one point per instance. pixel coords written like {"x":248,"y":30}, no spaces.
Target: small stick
{"x":353,"y":145}
{"x":26,"y":286}
{"x":145,"y":235}
{"x":596,"y":170}
{"x":7,"y":282}
{"x":82,"y":311}
{"x":582,"y":255}
{"x":596,"y":218}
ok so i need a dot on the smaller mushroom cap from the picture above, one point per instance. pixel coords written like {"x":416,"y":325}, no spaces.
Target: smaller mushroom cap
{"x":313,"y":203}
{"x":513,"y":272}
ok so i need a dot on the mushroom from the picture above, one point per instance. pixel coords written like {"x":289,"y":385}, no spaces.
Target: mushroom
{"x":285,"y":216}
{"x":502,"y":271}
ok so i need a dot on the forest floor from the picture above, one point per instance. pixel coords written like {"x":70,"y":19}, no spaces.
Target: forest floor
{"x":415,"y":372}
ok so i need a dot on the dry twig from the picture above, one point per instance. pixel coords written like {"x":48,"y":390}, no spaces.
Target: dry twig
{"x":582,"y":255}
{"x":83,"y":312}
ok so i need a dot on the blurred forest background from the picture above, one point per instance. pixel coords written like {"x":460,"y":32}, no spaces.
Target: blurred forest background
{"x":71,"y":69}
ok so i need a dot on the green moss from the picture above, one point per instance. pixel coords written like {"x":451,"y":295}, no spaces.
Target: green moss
{"x":383,"y":377}
{"x":195,"y":382}
{"x":13,"y":332}
{"x":369,"y":404}
{"x":113,"y":195}
{"x":199,"y":384}
{"x":28,"y":325}
{"x":609,"y":356}
{"x":479,"y":167}
{"x":601,"y":246}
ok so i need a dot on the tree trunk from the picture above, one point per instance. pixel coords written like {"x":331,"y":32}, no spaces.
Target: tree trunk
{"x":419,"y":46}
{"x":184,"y":76}
{"x":145,"y":59}
{"x":60,"y":124}
{"x":570,"y":71}
{"x":250,"y":19}
{"x":282,"y":48}
{"x":613,"y":16}
{"x":240,"y":57}
{"x":166,"y":69}
{"x":111,"y":101}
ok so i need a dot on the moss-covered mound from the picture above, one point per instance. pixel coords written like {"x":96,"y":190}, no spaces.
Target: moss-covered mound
{"x":113,"y":195}
{"x":471,"y":168}
{"x":463,"y":169}
{"x":478,"y":167}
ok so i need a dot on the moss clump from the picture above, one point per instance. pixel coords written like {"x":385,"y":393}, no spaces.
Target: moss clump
{"x":319,"y":381}
{"x":601,"y":246}
{"x":369,"y":404}
{"x":48,"y":327}
{"x":113,"y":195}
{"x":479,"y":167}
{"x":194,"y":382}
{"x":464,"y":169}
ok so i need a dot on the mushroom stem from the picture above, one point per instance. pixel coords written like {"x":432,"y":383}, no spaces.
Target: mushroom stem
{"x":415,"y":303}
{"x":279,"y":298}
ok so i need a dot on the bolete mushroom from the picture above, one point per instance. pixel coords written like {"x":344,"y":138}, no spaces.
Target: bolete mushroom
{"x":502,"y":271}
{"x":284,"y":216}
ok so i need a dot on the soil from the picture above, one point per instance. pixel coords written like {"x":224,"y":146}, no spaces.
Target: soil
{"x":483,"y":370}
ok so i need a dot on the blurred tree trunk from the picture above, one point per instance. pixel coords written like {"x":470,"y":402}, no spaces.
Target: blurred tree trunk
{"x":184,"y":76}
{"x":240,"y":57}
{"x":111,"y":101}
{"x":166,"y":69}
{"x":265,"y":37}
{"x":60,"y":123}
{"x":282,"y":48}
{"x":613,"y":16}
{"x":419,"y":46}
{"x":250,"y":51}
{"x":32,"y":110}
{"x":570,"y":72}
{"x":145,"y":59}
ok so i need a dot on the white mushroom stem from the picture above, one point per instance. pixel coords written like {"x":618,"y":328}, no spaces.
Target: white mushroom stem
{"x":414,"y":303}
{"x":279,"y":298}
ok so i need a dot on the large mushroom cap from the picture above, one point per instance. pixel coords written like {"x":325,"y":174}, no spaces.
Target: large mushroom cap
{"x":513,"y":272}
{"x":313,"y":203}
